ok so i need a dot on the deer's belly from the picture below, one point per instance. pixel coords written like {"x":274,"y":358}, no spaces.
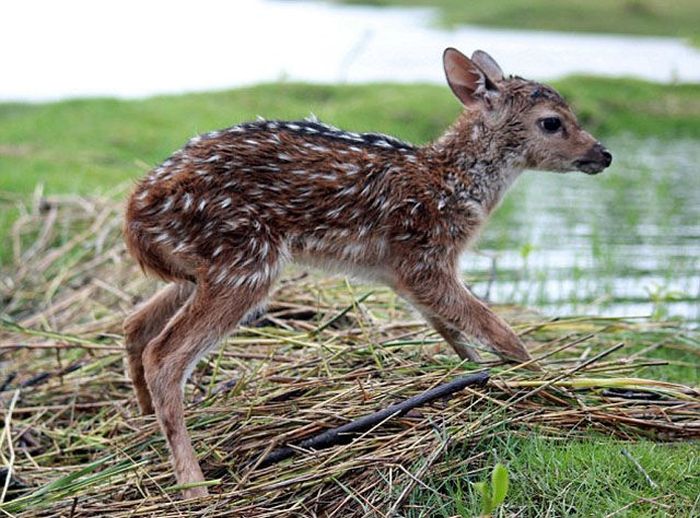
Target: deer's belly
{"x":365,"y":259}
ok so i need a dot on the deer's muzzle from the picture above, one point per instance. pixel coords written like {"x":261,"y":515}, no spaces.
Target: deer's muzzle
{"x":595,"y":160}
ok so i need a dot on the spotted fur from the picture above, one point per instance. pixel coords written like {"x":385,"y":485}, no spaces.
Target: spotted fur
{"x":222,"y":216}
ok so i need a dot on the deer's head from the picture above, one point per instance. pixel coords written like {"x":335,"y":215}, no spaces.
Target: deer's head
{"x":538,"y":123}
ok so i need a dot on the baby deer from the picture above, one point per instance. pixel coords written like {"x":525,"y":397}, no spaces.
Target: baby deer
{"x":223,"y":215}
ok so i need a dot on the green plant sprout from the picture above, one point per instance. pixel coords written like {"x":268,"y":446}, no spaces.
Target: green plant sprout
{"x":492,"y":496}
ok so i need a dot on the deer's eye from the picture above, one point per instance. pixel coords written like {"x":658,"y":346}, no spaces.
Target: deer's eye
{"x":550,"y":124}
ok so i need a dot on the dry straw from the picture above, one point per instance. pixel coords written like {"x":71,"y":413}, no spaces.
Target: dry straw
{"x":324,"y":354}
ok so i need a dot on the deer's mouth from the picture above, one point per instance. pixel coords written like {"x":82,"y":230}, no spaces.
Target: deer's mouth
{"x":589,"y":166}
{"x":595,"y":160}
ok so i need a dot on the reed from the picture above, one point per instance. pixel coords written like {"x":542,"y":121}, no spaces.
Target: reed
{"x":325,"y":353}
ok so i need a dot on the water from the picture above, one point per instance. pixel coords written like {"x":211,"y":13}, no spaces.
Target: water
{"x":78,"y":48}
{"x":623,"y":243}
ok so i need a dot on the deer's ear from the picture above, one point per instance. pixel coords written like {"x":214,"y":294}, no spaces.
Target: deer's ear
{"x":468,"y":82}
{"x":488,"y":66}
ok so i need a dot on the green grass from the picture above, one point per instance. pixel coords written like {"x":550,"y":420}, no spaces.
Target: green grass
{"x":645,"y":17}
{"x":570,"y":477}
{"x":87,"y":144}
{"x":83,"y":145}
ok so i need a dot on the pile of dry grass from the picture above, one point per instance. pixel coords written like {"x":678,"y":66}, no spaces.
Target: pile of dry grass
{"x":325,"y":353}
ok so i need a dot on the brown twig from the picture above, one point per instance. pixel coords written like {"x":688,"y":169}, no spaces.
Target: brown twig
{"x":344,"y":434}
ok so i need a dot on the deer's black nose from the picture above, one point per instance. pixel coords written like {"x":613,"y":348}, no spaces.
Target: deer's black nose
{"x":602,"y":155}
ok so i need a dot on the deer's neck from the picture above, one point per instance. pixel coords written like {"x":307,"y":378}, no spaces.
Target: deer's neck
{"x":478,"y":158}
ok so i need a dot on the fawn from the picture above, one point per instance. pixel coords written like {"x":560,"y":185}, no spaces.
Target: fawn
{"x":223,"y":215}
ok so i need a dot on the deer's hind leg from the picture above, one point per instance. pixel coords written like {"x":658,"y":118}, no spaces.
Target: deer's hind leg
{"x":216,"y":306}
{"x":144,"y":324}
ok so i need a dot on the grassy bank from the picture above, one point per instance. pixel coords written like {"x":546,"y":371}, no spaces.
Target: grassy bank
{"x":646,"y":17}
{"x":79,"y":146}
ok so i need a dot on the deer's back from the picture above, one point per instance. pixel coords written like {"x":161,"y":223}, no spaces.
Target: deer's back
{"x":304,"y":185}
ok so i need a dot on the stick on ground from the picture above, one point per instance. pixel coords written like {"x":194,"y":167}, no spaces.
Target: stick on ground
{"x":345,"y":433}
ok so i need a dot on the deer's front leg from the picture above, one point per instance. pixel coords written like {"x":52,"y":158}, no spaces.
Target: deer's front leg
{"x":457,"y":340}
{"x":451,"y":308}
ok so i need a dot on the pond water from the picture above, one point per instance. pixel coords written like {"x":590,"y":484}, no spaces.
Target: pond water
{"x":623,"y":243}
{"x":79,"y":48}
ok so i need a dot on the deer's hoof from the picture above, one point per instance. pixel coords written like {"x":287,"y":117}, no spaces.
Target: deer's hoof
{"x":194,"y":492}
